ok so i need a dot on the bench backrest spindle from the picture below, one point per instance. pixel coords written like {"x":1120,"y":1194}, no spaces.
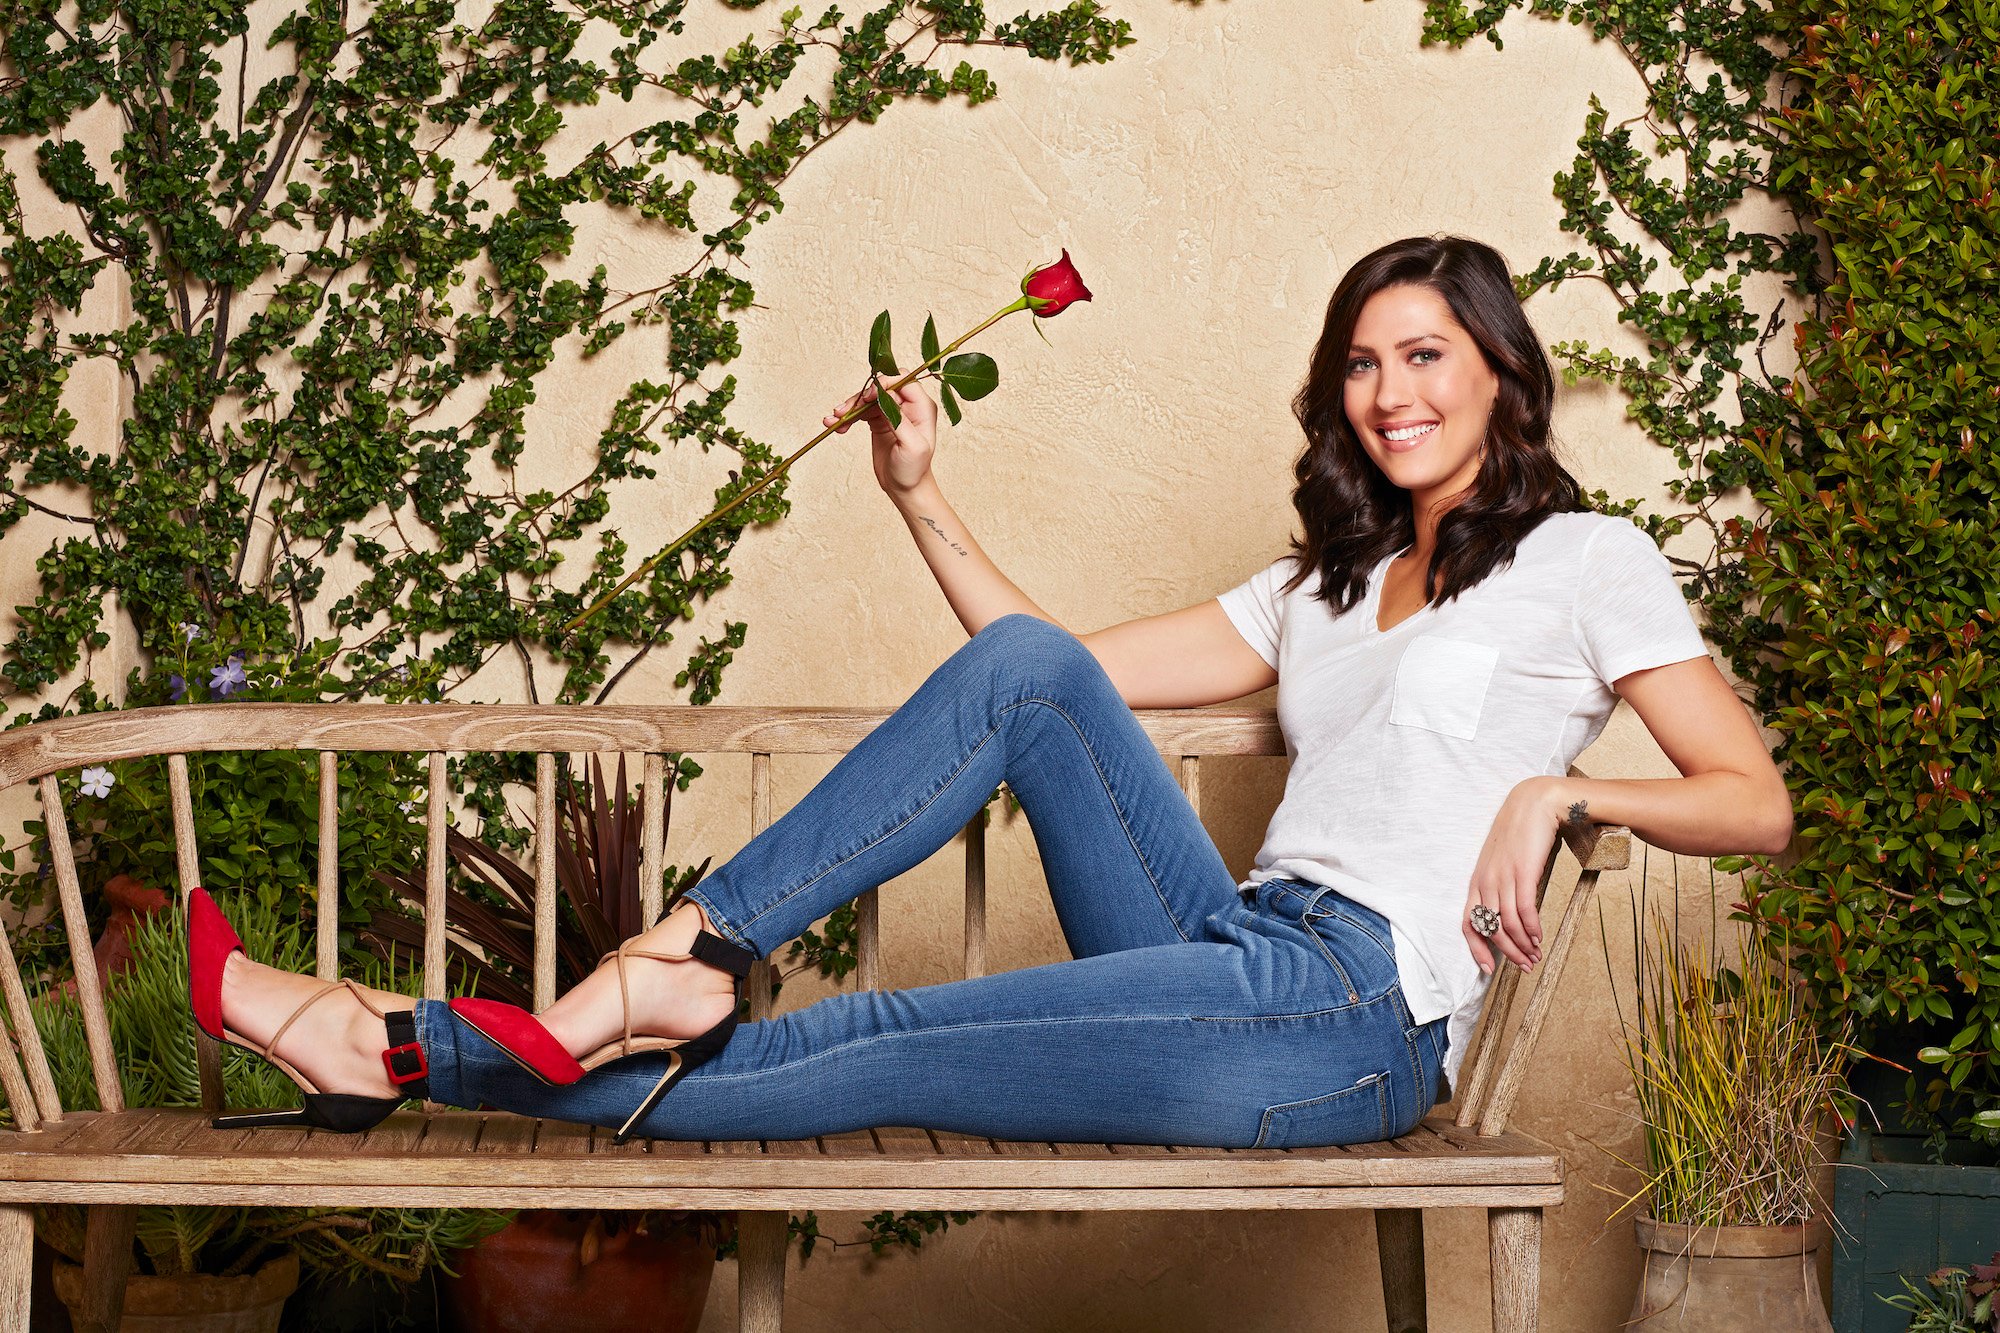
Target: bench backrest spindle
{"x":89,"y":993}
{"x":652,"y":837}
{"x":327,"y":937}
{"x":759,"y":984}
{"x":435,"y":866}
{"x":975,"y":898}
{"x":30,"y":1107}
{"x":187,"y":861}
{"x":545,"y":880}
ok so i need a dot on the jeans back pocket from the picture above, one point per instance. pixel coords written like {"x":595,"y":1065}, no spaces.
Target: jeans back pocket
{"x":1359,"y":1114}
{"x":1441,"y":685}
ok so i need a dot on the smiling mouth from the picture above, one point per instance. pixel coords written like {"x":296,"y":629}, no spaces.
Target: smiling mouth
{"x":1407,"y":435}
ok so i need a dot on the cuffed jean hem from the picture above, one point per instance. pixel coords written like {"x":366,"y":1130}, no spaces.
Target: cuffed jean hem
{"x":439,"y":1034}
{"x":717,"y":922}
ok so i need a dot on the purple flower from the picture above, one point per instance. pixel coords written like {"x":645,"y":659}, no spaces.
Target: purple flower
{"x":228,"y":678}
{"x":97,"y":781}
{"x":176,"y":688}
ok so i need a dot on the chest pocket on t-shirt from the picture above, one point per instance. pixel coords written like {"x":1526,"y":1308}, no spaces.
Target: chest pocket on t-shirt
{"x":1441,"y":685}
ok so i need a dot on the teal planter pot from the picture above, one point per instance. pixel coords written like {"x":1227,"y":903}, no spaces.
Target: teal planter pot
{"x":1898,"y":1214}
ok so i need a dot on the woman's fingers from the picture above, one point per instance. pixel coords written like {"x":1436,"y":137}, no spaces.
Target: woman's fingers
{"x":915,"y":404}
{"x":1480,"y":953}
{"x":1511,"y":939}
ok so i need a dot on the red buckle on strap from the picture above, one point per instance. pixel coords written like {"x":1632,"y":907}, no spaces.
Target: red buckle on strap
{"x":398,"y":1078}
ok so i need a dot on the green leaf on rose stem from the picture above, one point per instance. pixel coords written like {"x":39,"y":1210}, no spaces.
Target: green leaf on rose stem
{"x":1933,"y":1055}
{"x":889,"y":408}
{"x":879,"y":355}
{"x":930,"y":337}
{"x":950,"y":403}
{"x":973,"y":374}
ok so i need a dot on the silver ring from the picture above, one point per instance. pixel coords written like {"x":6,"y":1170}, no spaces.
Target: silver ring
{"x":1484,"y":919}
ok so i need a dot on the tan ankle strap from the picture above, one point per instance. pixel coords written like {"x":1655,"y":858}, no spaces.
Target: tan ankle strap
{"x":318,"y":995}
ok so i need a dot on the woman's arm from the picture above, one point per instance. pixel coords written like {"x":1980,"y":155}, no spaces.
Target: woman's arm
{"x":1729,"y":798}
{"x":978,"y":592}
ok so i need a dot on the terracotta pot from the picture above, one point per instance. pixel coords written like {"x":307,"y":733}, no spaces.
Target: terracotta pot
{"x":251,"y":1303}
{"x":1730,"y":1279}
{"x":530,"y":1277}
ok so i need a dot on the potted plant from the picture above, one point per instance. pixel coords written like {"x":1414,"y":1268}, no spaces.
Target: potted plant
{"x":199,"y":1263}
{"x":1735,"y":1077}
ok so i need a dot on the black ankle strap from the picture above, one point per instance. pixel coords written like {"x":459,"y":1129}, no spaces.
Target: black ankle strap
{"x":717,"y":952}
{"x":408,"y":1069}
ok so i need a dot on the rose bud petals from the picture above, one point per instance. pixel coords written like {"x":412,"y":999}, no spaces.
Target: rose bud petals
{"x":1050,"y":290}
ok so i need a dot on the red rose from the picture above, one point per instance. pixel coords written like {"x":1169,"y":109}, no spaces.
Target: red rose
{"x":1051,"y":289}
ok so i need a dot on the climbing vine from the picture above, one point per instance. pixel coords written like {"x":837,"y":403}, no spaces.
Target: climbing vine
{"x":346,"y":234}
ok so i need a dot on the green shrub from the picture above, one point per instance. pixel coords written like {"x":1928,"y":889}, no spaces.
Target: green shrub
{"x":1877,"y":550}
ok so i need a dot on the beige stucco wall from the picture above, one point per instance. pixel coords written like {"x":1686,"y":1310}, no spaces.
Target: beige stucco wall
{"x":1211,"y":183}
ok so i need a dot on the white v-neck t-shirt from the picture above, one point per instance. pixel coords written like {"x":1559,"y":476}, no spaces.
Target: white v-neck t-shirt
{"x":1404,"y":742}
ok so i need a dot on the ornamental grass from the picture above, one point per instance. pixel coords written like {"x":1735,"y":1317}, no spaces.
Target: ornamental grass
{"x":1734,"y":1073}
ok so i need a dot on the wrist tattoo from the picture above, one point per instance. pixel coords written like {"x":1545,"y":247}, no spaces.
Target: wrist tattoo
{"x":940,"y":535}
{"x":1579,"y":812}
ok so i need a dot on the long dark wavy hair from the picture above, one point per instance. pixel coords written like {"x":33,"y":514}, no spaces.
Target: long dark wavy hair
{"x":1353,"y":514}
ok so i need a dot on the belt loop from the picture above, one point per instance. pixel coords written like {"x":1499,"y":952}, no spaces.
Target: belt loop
{"x":1319,"y":891}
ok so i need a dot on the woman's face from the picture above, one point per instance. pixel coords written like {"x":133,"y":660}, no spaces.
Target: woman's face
{"x":1419,"y":393}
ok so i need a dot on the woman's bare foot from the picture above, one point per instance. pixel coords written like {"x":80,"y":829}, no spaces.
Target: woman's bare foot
{"x":336,"y":1042}
{"x":682,"y":999}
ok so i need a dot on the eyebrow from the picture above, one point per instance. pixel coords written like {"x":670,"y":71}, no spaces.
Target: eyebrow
{"x":1421,"y":337}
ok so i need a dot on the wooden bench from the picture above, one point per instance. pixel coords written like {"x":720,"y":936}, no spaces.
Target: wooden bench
{"x":114,"y":1158}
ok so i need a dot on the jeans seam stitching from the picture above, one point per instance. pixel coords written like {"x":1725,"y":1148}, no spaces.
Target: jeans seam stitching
{"x":1381,"y":1111}
{"x":1347,"y":982}
{"x":1387,"y":952}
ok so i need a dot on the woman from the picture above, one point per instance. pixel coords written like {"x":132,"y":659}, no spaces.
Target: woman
{"x":1453,"y":629}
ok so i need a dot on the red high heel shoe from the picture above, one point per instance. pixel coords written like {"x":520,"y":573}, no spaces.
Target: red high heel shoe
{"x":210,"y":941}
{"x":523,"y":1039}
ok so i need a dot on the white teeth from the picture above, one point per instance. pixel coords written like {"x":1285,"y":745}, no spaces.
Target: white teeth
{"x":1409,"y":432}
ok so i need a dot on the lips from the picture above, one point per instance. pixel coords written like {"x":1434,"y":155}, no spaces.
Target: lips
{"x":1406,"y":435}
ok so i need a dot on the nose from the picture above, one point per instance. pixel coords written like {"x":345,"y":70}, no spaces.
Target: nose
{"x":1393,"y":389}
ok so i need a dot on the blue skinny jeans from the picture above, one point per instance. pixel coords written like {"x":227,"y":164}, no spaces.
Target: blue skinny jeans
{"x":1188,"y":1015}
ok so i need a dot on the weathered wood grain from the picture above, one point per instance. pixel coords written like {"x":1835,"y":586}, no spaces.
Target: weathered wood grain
{"x":89,"y":989}
{"x":27,"y":753}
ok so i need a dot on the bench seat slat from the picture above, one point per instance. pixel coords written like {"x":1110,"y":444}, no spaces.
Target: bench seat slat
{"x":794,"y":1148}
{"x":563,"y":1136}
{"x":736,"y":1147}
{"x":903,"y":1140}
{"x":507,"y":1136}
{"x":963,"y":1145}
{"x":785,"y":1195}
{"x":603,"y":1144}
{"x":677,"y":1149}
{"x":96,"y":738}
{"x":855,"y":1143}
{"x":448,"y":1134}
{"x":177,"y":1146}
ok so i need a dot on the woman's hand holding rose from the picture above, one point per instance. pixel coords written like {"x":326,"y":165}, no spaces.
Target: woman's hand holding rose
{"x":902,"y":452}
